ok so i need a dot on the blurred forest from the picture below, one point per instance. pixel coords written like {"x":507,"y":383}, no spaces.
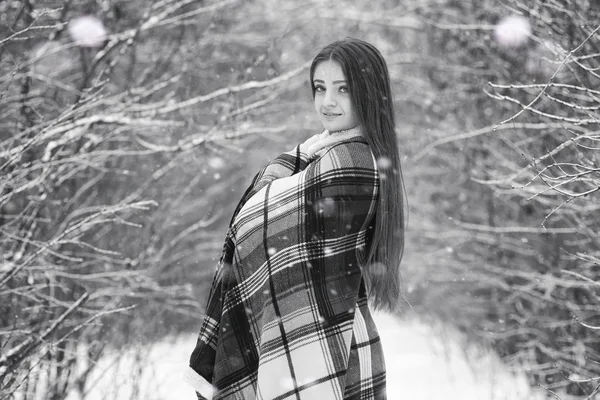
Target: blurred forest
{"x":128,"y":130}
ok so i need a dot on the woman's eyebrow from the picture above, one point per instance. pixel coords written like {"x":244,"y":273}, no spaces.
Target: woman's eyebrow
{"x":334,"y":82}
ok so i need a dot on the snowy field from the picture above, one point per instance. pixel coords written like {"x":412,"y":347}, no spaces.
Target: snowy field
{"x":422,"y":363}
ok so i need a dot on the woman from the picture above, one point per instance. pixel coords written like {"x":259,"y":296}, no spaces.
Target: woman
{"x":319,"y":231}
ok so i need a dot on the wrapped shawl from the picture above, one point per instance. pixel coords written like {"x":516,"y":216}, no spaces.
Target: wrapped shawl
{"x":287,"y":314}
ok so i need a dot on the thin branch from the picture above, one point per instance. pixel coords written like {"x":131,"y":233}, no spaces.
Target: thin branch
{"x":547,"y":85}
{"x":23,"y":349}
{"x":483,"y":131}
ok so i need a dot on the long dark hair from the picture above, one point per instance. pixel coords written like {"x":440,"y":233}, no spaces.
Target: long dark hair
{"x":370,"y":91}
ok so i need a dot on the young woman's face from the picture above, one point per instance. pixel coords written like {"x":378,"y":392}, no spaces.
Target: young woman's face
{"x":332,"y":98}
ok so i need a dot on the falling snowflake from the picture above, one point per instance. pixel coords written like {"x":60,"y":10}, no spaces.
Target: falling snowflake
{"x":272,"y":250}
{"x":513,"y":31}
{"x":377,"y":268}
{"x":216,"y":162}
{"x":87,"y":31}
{"x":287,"y":383}
{"x":325,"y":206}
{"x":384,"y":163}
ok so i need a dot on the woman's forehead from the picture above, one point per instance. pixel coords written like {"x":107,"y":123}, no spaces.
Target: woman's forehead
{"x":329,"y":71}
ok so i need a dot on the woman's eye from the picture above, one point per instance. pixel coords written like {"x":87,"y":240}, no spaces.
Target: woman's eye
{"x":319,"y":88}
{"x":343,"y":89}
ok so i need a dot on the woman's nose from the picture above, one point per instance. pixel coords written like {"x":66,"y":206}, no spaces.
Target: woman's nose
{"x":329,"y":99}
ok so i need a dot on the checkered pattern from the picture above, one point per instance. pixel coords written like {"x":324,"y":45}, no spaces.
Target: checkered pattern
{"x":287,"y":316}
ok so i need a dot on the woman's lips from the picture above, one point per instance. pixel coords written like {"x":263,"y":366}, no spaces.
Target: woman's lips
{"x":330,"y":115}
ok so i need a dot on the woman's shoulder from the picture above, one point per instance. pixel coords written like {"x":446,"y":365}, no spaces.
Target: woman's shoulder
{"x":349,"y":154}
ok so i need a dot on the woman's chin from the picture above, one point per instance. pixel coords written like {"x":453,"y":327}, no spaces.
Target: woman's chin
{"x":334,"y":127}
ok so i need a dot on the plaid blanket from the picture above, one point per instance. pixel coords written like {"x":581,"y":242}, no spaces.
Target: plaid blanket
{"x":287,"y":314}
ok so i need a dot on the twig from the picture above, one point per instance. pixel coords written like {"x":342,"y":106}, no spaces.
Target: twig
{"x":547,"y":85}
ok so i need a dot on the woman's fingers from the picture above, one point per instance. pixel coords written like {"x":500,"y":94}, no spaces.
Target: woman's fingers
{"x":308,"y":143}
{"x":327,"y":140}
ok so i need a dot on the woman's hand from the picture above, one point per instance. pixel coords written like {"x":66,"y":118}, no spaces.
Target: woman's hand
{"x":312,"y":144}
{"x":315,"y":145}
{"x":326,"y":139}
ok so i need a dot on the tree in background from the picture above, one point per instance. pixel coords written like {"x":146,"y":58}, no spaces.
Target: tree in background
{"x":519,"y":201}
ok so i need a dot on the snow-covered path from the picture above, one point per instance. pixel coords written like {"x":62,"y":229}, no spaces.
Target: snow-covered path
{"x":422,"y":363}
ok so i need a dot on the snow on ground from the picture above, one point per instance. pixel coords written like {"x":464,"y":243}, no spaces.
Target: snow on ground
{"x":422,"y":363}
{"x":430,"y":363}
